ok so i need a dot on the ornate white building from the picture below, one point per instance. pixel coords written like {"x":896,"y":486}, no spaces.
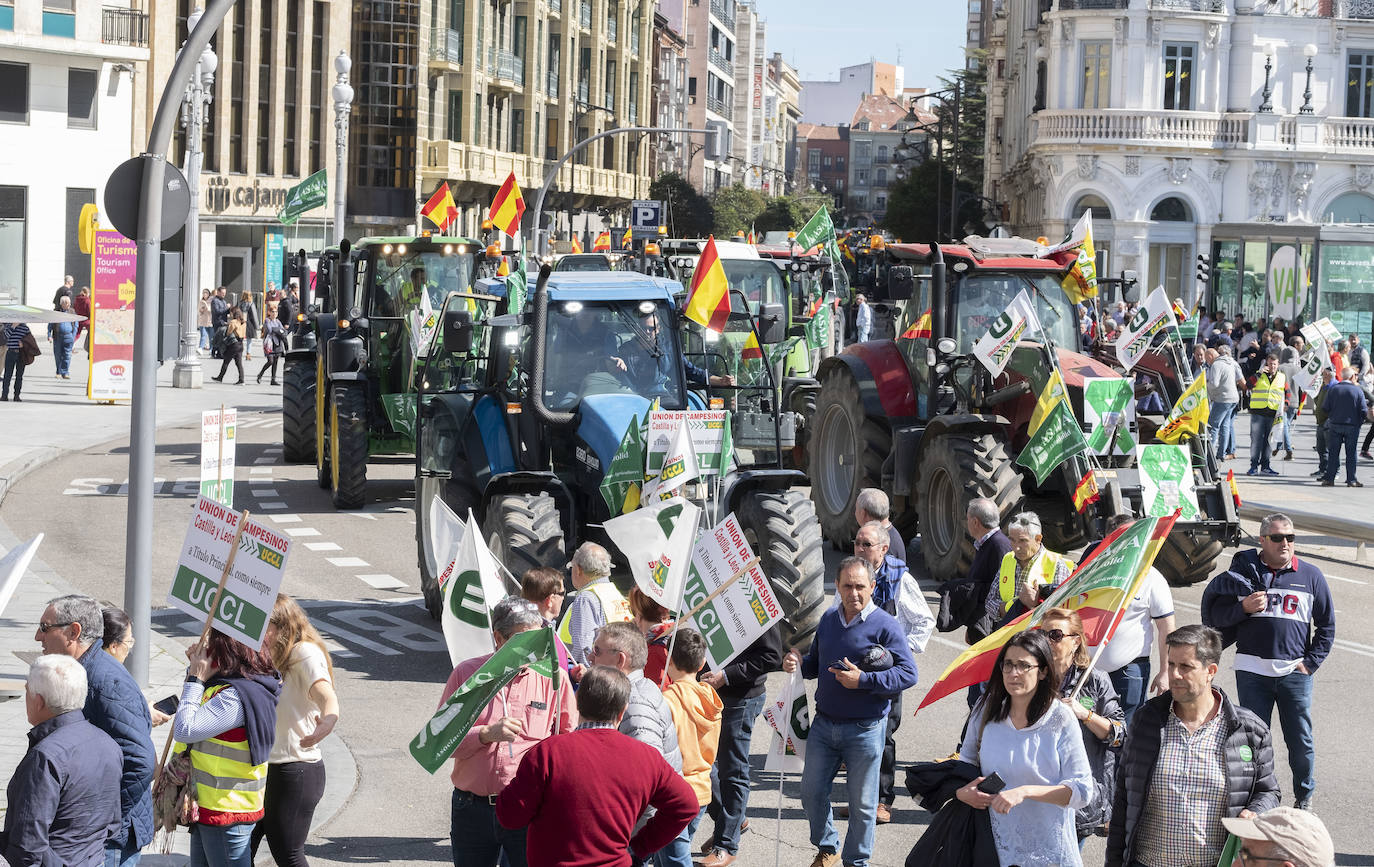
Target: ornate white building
{"x":1239,"y":129}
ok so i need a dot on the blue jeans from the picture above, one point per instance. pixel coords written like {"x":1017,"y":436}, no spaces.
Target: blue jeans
{"x":205,"y":336}
{"x":125,"y":855}
{"x":215,"y":846}
{"x":1290,"y":418}
{"x":477,"y":839}
{"x":730,"y":774}
{"x":1293,"y":694}
{"x":1223,"y":423}
{"x":859,"y":746}
{"x":1260,"y":426}
{"x":1131,"y":682}
{"x":62,"y":353}
{"x":1338,"y":435}
{"x":679,"y":852}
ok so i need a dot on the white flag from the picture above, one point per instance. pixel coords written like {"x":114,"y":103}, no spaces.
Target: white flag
{"x":446,"y":534}
{"x":679,"y":466}
{"x":1139,"y":330}
{"x":1017,"y":321}
{"x":12,"y":567}
{"x":657,"y":540}
{"x":790,"y":717}
{"x":471,"y":586}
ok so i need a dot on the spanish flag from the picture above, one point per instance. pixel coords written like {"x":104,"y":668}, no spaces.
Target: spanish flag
{"x":708,"y":303}
{"x":815,"y":305}
{"x":1189,"y":414}
{"x":1179,"y":312}
{"x":1098,"y":590}
{"x":440,"y":209}
{"x":508,"y":207}
{"x":1086,"y":491}
{"x":602,"y":243}
{"x":576,"y":244}
{"x":751,"y":348}
{"x":919,"y":328}
{"x":626,"y":238}
{"x":1235,"y":491}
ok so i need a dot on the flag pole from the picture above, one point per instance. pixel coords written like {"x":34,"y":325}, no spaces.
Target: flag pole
{"x":1116,"y":621}
{"x":787,"y":699}
{"x":682,"y":592}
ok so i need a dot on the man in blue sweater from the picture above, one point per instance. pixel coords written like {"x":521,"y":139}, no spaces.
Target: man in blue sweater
{"x":1345,"y":409}
{"x":1279,"y":612}
{"x":860,"y":661}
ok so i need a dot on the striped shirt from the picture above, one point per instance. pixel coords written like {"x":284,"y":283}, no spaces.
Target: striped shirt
{"x":195,"y":722}
{"x":14,"y":334}
{"x":1181,"y":823}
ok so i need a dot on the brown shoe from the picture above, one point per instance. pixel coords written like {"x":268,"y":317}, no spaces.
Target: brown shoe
{"x":826,"y":859}
{"x":842,"y":812}
{"x":884,"y":814}
{"x":716,"y":858}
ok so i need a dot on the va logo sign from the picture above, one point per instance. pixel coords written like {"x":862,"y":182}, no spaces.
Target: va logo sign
{"x":1287,"y":283}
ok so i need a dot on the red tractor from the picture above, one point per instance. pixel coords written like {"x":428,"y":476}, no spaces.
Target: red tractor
{"x":921,"y":418}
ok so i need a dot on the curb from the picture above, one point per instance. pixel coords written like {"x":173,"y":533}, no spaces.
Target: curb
{"x":26,"y":463}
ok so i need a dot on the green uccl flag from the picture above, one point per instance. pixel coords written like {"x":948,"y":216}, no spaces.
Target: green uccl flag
{"x":1229,"y":851}
{"x":517,"y":287}
{"x":1056,"y":440}
{"x":818,"y":328}
{"x":1108,"y":404}
{"x":625,"y":476}
{"x":436,"y":742}
{"x":818,"y":230}
{"x":308,"y":195}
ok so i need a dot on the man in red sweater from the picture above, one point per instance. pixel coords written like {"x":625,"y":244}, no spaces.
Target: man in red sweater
{"x":577,"y":814}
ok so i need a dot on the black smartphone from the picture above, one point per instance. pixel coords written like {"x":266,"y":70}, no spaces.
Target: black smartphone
{"x":838,"y":665}
{"x":992,"y":784}
{"x":168,"y":705}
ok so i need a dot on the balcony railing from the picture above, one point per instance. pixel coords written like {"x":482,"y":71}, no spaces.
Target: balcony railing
{"x":634,"y":114}
{"x":719,"y":106}
{"x":584,"y":16}
{"x":1354,"y":8}
{"x":510,"y":68}
{"x":862,"y":162}
{"x":719,"y":60}
{"x":555,"y":7}
{"x":1073,"y":5}
{"x":119,"y":26}
{"x":1349,"y":132}
{"x":1218,"y":6}
{"x":724,"y":11}
{"x":612,"y":30}
{"x":1123,"y":125}
{"x":551,"y":84}
{"x":446,"y":45}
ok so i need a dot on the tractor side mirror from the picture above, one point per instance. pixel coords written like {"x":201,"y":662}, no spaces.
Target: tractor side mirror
{"x":901,"y":282}
{"x":457,"y":332}
{"x":772,"y":324}
{"x":1130,"y":287}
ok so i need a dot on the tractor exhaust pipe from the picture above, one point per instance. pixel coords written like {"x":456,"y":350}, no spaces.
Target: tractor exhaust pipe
{"x":939,"y":327}
{"x":541,"y":319}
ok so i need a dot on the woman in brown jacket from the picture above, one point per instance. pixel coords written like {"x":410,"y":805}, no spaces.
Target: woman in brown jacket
{"x":233,"y":345}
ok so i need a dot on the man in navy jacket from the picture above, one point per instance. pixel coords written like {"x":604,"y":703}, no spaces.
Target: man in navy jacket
{"x":72,"y":626}
{"x":860,"y":661}
{"x":1279,"y":612}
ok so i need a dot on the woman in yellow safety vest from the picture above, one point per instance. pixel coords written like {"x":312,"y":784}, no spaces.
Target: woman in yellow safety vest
{"x":1025,"y":569}
{"x":227,"y":720}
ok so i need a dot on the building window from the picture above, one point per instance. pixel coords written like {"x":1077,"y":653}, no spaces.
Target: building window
{"x":455,"y":115}
{"x":880,"y":177}
{"x":1359,"y":93}
{"x":238,"y":160}
{"x":290,"y":163}
{"x":317,"y":89}
{"x":813,"y":162}
{"x":1097,"y":75}
{"x":74,"y":261}
{"x":1172,"y":210}
{"x":827,"y":161}
{"x":13,"y":202}
{"x":517,"y":130}
{"x":1178,"y":75}
{"x":14,"y":94}
{"x":1350,"y":208}
{"x":267,"y":38}
{"x":81,"y":101}
{"x":59,"y":18}
{"x":1100,"y":209}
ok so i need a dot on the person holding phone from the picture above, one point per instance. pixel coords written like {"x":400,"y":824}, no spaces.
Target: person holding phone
{"x":1021,"y":734}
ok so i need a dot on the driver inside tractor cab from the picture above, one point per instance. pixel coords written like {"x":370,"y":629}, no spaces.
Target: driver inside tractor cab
{"x":981,"y":298}
{"x":411,"y":289}
{"x":582,"y":342}
{"x":643,"y":360}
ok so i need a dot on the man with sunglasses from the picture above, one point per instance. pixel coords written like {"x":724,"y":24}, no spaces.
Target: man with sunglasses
{"x":1278,"y":610}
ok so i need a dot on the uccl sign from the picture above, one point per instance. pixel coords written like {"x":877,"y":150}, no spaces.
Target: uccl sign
{"x":1287,"y":283}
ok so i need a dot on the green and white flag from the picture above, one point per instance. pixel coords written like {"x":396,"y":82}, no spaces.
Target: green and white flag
{"x":471,"y":585}
{"x":818,"y":230}
{"x":535,"y":649}
{"x":1166,"y":481}
{"x":679,"y":466}
{"x":818,"y":328}
{"x":1108,"y":412}
{"x":624,"y":478}
{"x":1138,"y":331}
{"x":517,"y":282}
{"x":1056,"y":440}
{"x":789,"y":715}
{"x":308,"y":195}
{"x":657,"y":542}
{"x":995,"y":347}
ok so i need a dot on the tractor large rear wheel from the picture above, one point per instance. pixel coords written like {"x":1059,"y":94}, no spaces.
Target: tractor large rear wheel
{"x":298,"y":412}
{"x":783,"y":529}
{"x":845,"y":451}
{"x":524,"y":531}
{"x":956,"y":469}
{"x":1188,"y":557}
{"x":347,"y":446}
{"x":459,"y":493}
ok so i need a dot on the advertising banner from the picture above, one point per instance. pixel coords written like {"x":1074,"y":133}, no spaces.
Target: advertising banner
{"x":1166,"y":481}
{"x":707,"y":428}
{"x":743,"y":610}
{"x":250,"y":591}
{"x":218,"y":437}
{"x":114,"y":270}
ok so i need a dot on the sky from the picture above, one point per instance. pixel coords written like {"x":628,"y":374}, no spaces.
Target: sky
{"x":817,"y":37}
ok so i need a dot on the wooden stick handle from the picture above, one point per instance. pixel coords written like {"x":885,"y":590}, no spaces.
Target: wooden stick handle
{"x":726,"y":583}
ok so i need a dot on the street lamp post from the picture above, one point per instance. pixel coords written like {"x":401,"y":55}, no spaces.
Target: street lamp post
{"x":1310,"y":51}
{"x":343,"y":103}
{"x":1267,"y":107}
{"x":187,"y":372}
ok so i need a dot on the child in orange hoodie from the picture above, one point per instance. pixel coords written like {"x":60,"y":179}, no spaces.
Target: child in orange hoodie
{"x":696,"y":716}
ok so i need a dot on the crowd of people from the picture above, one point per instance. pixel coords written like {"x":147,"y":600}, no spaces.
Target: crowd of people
{"x":227,"y":330}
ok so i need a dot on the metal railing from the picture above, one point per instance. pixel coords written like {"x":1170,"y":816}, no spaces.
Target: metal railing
{"x":719,"y":106}
{"x":719,"y":60}
{"x":724,"y":11}
{"x":555,"y":7}
{"x":446,"y":45}
{"x":1159,"y":127}
{"x":1218,"y":6}
{"x":1072,"y":5}
{"x":120,"y":26}
{"x":510,"y":68}
{"x":1354,"y":8}
{"x":584,"y":15}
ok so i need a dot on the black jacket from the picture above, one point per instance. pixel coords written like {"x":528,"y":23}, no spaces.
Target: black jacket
{"x":963,"y":600}
{"x":1251,"y":784}
{"x":1099,"y":696}
{"x":958,"y":835}
{"x":746,"y":674}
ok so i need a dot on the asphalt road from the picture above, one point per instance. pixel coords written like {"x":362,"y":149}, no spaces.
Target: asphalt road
{"x":356,"y":572}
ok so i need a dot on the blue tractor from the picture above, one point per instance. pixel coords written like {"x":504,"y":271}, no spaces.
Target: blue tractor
{"x":520,"y":415}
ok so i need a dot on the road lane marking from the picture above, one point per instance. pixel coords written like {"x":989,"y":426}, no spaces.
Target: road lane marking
{"x":275,"y":504}
{"x":1347,"y":580}
{"x":286,"y":519}
{"x":348,"y":562}
{"x":381,"y":582}
{"x":329,"y":627}
{"x":323,"y":546}
{"x":411,"y":636}
{"x":364,"y":515}
{"x":301,"y":531}
{"x":259,"y":471}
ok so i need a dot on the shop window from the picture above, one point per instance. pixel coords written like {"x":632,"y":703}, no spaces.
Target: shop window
{"x":1100,"y":209}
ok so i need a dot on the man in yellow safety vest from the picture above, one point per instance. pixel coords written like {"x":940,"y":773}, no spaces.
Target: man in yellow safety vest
{"x":1266,"y":399}
{"x":596,"y":603}
{"x":1027,"y":568}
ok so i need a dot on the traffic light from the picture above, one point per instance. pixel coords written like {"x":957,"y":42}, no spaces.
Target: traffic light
{"x":718,"y":140}
{"x":1204,"y":271}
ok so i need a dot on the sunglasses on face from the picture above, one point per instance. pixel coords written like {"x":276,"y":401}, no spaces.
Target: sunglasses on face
{"x":46,"y":627}
{"x":1280,"y":538}
{"x":858,"y":544}
{"x":1058,"y":635}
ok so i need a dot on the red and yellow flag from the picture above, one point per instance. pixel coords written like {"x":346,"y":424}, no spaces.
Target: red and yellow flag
{"x":626,"y":238}
{"x":602,"y":244}
{"x":576,"y":244}
{"x":1098,"y":590}
{"x":709,"y":301}
{"x":1086,"y":491}
{"x":815,"y":306}
{"x":1235,"y":491}
{"x":508,"y":207}
{"x":919,"y":328}
{"x":751,"y":348}
{"x":440,"y":209}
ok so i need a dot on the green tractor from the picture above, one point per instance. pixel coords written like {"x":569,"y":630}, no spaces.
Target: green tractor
{"x":521,"y":414}
{"x":353,"y":390}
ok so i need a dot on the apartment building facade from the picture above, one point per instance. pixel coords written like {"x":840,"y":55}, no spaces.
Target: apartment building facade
{"x":875,"y":134}
{"x":825,"y":159}
{"x":671,"y":151}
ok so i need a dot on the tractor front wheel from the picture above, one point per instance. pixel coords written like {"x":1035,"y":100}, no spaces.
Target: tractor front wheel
{"x":298,"y":411}
{"x":525,"y":531}
{"x":956,"y":469}
{"x":845,"y":453}
{"x":347,"y":446}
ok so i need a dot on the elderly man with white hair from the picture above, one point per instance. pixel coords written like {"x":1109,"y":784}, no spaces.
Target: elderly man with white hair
{"x":596,"y":603}
{"x":1028,"y":568}
{"x":64,"y":795}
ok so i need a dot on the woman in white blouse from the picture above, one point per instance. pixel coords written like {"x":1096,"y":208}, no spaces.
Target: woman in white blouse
{"x":1024,"y":734}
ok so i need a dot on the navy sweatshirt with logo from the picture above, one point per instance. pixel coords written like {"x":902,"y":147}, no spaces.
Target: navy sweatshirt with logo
{"x":1297,"y":625}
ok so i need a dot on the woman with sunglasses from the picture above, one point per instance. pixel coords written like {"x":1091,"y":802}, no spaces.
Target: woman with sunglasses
{"x":1021,"y":733}
{"x":1097,"y":708}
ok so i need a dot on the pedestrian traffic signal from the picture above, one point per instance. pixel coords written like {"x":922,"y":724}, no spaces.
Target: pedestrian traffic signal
{"x":1204,"y":270}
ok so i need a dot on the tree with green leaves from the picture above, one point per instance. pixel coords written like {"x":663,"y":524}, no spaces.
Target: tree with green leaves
{"x":972,"y":107}
{"x":736,"y":209}
{"x":915,"y":214}
{"x":783,"y":214}
{"x":688,"y":212}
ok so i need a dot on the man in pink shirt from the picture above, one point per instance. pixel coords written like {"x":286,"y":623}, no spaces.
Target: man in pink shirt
{"x":523,"y":713}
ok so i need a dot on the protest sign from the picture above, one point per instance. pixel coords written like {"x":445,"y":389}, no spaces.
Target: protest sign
{"x":707,"y":429}
{"x":1166,"y":481}
{"x":727,"y":594}
{"x":250,"y":590}
{"x":657,"y":541}
{"x":1109,"y":415}
{"x":1310,"y":366}
{"x":1138,"y":332}
{"x":12,"y":567}
{"x":1328,"y":330}
{"x":218,"y":437}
